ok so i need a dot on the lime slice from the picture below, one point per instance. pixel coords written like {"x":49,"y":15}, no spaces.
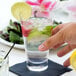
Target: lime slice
{"x":34,"y":34}
{"x":73,"y":59}
{"x":21,"y":11}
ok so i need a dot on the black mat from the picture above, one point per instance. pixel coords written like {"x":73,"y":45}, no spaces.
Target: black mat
{"x":54,"y":69}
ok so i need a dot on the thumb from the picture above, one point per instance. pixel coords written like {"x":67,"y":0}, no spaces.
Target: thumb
{"x":52,"y":41}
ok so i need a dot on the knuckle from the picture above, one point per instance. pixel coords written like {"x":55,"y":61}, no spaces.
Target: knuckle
{"x":48,"y":42}
{"x":61,"y":36}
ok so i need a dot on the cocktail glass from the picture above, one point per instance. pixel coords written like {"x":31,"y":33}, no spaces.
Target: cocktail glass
{"x":35,"y":31}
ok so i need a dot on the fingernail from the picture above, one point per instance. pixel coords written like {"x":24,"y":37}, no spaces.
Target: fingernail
{"x":42,"y":47}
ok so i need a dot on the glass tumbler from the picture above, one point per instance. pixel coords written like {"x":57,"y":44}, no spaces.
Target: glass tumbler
{"x":4,"y":69}
{"x":35,"y":31}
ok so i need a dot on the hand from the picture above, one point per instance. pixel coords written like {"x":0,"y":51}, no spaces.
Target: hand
{"x":63,"y":33}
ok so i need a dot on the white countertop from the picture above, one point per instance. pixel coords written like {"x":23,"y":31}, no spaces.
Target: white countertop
{"x":18,"y":55}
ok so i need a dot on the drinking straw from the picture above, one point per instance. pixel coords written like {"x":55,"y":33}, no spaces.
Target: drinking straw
{"x":9,"y":51}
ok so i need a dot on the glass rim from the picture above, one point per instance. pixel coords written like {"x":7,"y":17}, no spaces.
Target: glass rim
{"x":37,"y":17}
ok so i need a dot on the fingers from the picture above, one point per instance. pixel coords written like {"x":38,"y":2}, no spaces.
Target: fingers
{"x":67,"y":62}
{"x":58,"y":45}
{"x":52,"y":41}
{"x":66,"y":50}
{"x":56,"y":29}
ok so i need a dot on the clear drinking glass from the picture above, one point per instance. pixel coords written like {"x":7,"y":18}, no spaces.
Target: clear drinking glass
{"x":35,"y":31}
{"x":4,"y":69}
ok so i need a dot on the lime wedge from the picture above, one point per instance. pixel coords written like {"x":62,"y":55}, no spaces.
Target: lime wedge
{"x":21,"y":11}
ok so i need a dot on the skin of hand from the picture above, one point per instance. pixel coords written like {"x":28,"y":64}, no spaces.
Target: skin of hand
{"x":63,"y":33}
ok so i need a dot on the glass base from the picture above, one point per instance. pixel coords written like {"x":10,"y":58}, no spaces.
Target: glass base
{"x":37,"y":69}
{"x":37,"y":65}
